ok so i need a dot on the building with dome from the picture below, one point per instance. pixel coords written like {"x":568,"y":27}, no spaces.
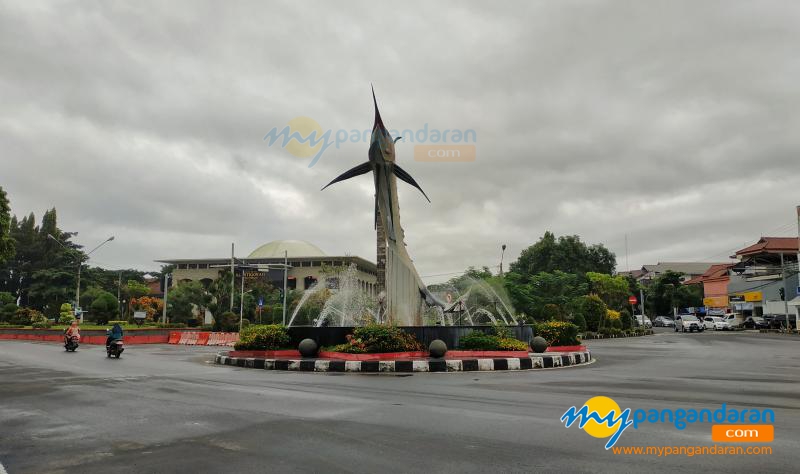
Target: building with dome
{"x":307,"y":261}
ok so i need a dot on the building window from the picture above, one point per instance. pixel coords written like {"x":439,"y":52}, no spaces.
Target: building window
{"x":308,"y":282}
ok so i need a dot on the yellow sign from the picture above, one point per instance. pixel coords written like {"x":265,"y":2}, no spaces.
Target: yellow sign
{"x":716,"y":301}
{"x":754,"y":296}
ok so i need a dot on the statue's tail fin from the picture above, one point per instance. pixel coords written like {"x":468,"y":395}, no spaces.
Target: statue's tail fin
{"x":363,"y":168}
{"x":402,"y":174}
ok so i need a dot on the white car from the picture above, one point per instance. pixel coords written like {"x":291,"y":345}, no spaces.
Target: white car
{"x":716,"y":323}
{"x":647,"y":324}
{"x":688,"y":323}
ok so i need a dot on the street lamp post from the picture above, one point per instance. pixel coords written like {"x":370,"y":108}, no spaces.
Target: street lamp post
{"x":80,"y":264}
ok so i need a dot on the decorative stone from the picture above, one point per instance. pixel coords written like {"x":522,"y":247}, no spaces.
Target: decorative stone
{"x":308,"y":348}
{"x":438,"y":348}
{"x":538,"y":344}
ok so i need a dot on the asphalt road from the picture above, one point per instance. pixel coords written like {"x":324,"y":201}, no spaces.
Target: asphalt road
{"x":167,"y":409}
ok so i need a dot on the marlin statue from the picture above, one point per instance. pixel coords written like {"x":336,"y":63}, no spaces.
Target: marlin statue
{"x":405,"y":291}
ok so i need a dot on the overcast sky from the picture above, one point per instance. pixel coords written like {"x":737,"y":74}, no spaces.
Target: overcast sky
{"x":675,"y":123}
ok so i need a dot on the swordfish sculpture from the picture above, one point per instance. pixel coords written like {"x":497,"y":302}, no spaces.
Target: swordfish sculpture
{"x":405,"y":294}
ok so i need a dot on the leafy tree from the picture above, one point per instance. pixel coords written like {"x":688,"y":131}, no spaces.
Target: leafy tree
{"x":136,"y":289}
{"x":593,"y":310}
{"x":185,"y":299}
{"x":6,"y":242}
{"x":104,"y":307}
{"x":566,"y":254}
{"x":667,"y":292}
{"x":529,"y":295}
{"x":613,"y":290}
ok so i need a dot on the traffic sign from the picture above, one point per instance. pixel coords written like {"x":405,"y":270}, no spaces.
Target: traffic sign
{"x":260,"y":301}
{"x":632,"y":300}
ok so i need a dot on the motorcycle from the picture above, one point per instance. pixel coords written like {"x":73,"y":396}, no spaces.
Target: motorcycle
{"x":115,"y":348}
{"x":70,"y":343}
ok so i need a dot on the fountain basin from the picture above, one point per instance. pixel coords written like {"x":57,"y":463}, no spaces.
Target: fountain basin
{"x":460,"y":364}
{"x":333,"y":335}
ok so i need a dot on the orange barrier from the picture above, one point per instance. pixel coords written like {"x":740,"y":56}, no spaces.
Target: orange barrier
{"x":174,"y":337}
{"x":202,"y":338}
{"x":191,"y":338}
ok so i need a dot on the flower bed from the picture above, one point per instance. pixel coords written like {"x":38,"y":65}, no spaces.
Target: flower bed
{"x":500,"y":341}
{"x":375,"y":339}
{"x":290,"y":353}
{"x":566,"y":349}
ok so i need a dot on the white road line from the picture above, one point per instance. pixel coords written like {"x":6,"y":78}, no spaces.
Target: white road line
{"x":2,"y":469}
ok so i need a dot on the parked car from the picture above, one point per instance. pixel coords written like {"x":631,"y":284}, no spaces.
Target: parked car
{"x":779,"y":321}
{"x":716,"y":323}
{"x":733,"y":320}
{"x":647,"y":324}
{"x":663,"y":322}
{"x":755,"y":322}
{"x":688,"y":323}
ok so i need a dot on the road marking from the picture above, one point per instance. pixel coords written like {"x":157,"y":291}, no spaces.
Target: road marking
{"x":2,"y":469}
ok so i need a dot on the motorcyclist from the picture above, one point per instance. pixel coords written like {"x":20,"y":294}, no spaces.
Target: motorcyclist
{"x":72,"y":331}
{"x":114,"y":335}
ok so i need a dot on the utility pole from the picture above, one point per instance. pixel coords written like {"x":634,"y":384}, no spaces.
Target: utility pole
{"x":233,"y":276}
{"x":502,"y":254}
{"x":785,"y":290}
{"x":166,"y":290}
{"x":119,"y":294}
{"x":797,"y":290}
{"x":285,"y":281}
{"x":241,"y":303}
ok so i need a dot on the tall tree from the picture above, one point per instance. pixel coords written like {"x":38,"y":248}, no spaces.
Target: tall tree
{"x":566,"y":254}
{"x":6,"y":242}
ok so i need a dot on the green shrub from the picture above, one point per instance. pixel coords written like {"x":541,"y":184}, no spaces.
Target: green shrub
{"x":551,"y":311}
{"x":66,"y":319}
{"x":580,"y":321}
{"x":557,"y":333}
{"x":480,"y":341}
{"x":171,"y":325}
{"x":383,"y":338}
{"x":227,"y":322}
{"x":616,"y":324}
{"x":266,"y":337}
{"x":625,"y":319}
{"x":207,"y":327}
{"x":511,"y":344}
{"x":501,"y":331}
{"x":594,"y":311}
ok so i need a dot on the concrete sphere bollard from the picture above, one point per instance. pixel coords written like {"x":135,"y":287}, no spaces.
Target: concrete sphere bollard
{"x":308,"y":348}
{"x":538,"y":344}
{"x":438,"y":348}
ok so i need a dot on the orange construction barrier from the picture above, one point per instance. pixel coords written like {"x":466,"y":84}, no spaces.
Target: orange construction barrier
{"x":213,"y":339}
{"x":192,"y":338}
{"x":174,"y":337}
{"x":202,"y":339}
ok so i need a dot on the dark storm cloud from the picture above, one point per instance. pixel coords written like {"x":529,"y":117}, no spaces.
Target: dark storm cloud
{"x":672,"y":122}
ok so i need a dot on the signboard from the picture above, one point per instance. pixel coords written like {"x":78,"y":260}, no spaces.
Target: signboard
{"x":632,"y":300}
{"x":754,"y":296}
{"x":140,"y":315}
{"x":260,"y":302}
{"x":736,"y":298}
{"x":716,"y":301}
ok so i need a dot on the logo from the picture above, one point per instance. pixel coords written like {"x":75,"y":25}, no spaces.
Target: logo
{"x":304,"y":137}
{"x":601,"y":417}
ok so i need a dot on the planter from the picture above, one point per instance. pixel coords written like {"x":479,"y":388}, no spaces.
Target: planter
{"x":566,"y":349}
{"x":377,"y":356}
{"x":266,"y":354}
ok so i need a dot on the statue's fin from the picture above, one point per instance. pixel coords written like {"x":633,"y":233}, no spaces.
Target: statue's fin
{"x":429,"y":298}
{"x":401,"y":173}
{"x":363,"y":168}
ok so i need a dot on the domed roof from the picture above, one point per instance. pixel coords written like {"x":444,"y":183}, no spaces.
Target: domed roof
{"x":296,"y":248}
